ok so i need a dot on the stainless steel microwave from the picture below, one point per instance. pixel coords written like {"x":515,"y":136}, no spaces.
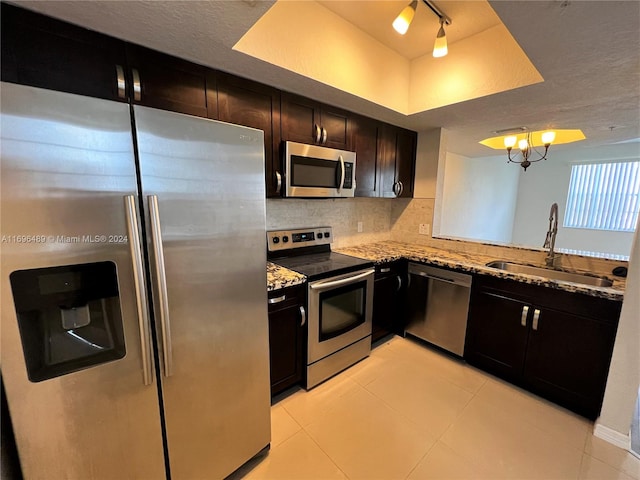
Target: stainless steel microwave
{"x":321,"y":172}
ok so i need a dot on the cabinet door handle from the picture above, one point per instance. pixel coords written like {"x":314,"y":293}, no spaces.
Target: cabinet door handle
{"x":324,"y":135}
{"x":137,"y":86}
{"x":318,"y":132}
{"x":121,"y":83}
{"x":278,"y":182}
{"x":385,"y":270}
{"x":401,"y":188}
{"x":536,"y":317}
{"x":303,"y":316}
{"x":399,"y":283}
{"x":523,"y":318}
{"x":277,"y":299}
{"x":396,"y":189}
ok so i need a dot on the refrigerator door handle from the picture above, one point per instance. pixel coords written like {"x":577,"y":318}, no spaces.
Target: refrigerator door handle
{"x":161,"y":277}
{"x":139,"y":283}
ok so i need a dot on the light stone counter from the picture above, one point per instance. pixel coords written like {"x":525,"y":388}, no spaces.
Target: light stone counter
{"x":279,"y":277}
{"x":382,"y":252}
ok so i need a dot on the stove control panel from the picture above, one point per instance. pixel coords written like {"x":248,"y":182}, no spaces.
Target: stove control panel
{"x":298,"y":238}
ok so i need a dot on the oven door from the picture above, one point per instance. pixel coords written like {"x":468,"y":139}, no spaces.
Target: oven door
{"x":339,"y":312}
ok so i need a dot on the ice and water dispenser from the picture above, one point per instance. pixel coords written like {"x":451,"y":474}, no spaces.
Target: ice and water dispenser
{"x":69,"y":318}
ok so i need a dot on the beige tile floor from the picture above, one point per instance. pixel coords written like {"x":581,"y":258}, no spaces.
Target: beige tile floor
{"x":408,"y":412}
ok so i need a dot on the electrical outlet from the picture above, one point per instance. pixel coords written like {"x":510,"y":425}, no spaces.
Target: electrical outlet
{"x":424,"y":228}
{"x":359,"y":227}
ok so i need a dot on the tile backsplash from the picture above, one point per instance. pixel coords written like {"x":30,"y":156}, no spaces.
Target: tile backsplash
{"x":343,"y":214}
{"x":398,"y":219}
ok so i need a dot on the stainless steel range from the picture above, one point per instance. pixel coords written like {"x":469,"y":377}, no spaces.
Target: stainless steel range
{"x":340,"y":298}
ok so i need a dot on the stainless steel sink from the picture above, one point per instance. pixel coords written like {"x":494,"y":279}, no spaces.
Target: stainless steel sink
{"x":550,"y":273}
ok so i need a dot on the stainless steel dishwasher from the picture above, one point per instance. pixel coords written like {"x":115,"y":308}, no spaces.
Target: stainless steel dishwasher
{"x":438,"y":304}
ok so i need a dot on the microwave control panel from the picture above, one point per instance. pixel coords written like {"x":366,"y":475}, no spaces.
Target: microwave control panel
{"x":348,"y":175}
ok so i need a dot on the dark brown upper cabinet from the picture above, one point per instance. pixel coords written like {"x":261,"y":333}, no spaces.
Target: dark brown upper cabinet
{"x":396,"y":161}
{"x":252,"y":104}
{"x":168,"y":83}
{"x":43,"y":52}
{"x":365,"y":143}
{"x":306,"y":121}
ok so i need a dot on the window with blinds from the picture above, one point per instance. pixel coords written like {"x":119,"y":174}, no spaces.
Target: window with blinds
{"x":604,"y":196}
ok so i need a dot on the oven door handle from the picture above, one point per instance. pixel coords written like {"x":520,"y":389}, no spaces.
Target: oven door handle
{"x":342,"y":281}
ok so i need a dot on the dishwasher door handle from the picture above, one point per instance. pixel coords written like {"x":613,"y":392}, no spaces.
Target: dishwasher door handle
{"x":435,"y":277}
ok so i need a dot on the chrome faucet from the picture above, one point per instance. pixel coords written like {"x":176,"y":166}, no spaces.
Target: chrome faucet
{"x":550,"y":241}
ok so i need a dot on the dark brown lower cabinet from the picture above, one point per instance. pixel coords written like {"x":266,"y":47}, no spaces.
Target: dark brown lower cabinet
{"x":388,"y":293}
{"x":554,"y":343}
{"x":287,"y":336}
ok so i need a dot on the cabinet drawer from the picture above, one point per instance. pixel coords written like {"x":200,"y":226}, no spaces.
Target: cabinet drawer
{"x":287,"y":297}
{"x":596,"y":308}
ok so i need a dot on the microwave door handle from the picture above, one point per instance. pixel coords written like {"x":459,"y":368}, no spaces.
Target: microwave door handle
{"x":341,"y":184}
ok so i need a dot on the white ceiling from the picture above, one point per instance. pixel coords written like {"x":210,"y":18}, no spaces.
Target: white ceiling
{"x":587,"y":51}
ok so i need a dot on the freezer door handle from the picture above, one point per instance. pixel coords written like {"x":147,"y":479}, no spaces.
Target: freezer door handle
{"x":139,"y":284}
{"x":161,"y":279}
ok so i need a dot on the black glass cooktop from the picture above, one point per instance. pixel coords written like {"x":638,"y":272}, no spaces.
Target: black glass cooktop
{"x":322,"y":265}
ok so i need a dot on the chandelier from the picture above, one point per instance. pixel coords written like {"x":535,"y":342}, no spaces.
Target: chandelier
{"x":527,"y":147}
{"x":526,"y":152}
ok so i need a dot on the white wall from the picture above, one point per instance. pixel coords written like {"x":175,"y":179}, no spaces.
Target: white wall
{"x":624,"y":373}
{"x":543,"y":184}
{"x":478,"y":198}
{"x":430,"y":152}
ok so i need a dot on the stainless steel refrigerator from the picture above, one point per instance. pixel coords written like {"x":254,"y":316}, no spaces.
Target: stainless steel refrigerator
{"x":134,"y":321}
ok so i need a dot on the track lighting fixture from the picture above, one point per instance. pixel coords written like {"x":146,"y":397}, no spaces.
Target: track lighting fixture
{"x":404,"y":19}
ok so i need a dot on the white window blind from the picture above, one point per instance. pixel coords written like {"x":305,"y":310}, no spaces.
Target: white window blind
{"x":604,"y":196}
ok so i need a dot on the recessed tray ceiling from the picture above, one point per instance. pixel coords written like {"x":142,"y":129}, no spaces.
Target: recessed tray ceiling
{"x":355,"y":49}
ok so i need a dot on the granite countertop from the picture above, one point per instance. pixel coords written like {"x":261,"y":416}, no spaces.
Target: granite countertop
{"x":387,"y":251}
{"x":280,"y":277}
